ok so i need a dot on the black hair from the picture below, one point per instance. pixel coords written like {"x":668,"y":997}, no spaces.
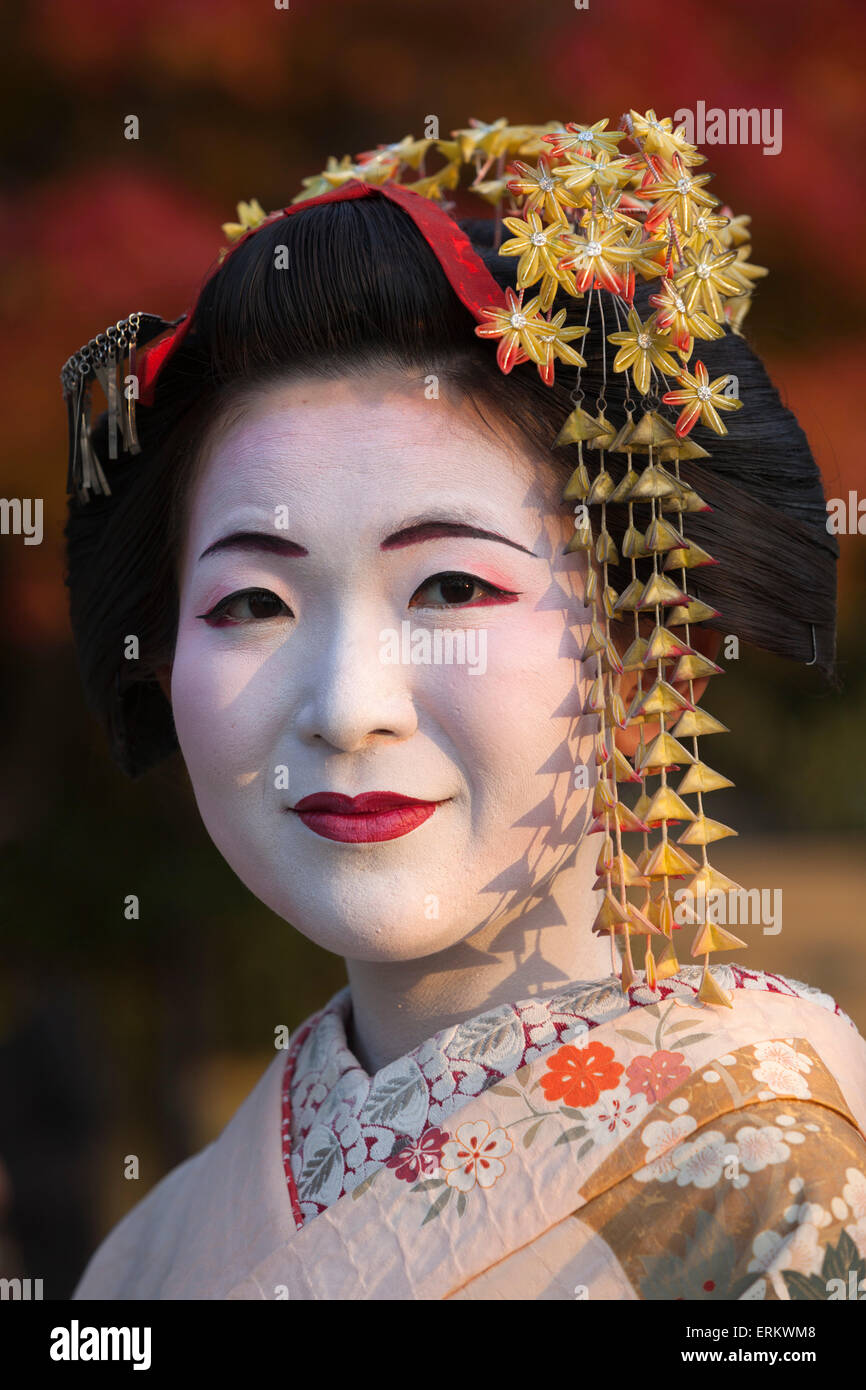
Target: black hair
{"x":358,"y":288}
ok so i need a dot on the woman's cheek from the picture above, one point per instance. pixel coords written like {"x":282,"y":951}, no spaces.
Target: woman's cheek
{"x":537,"y":649}
{"x":212,"y":695}
{"x":511,"y":714}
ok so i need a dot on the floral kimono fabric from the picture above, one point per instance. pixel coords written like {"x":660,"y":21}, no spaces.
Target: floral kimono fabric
{"x":673,"y":1152}
{"x":574,"y":1146}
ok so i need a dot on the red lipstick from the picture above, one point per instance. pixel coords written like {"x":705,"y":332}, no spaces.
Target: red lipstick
{"x":361,"y":819}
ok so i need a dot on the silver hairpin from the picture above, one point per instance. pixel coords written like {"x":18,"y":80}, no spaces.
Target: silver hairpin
{"x":100,"y":360}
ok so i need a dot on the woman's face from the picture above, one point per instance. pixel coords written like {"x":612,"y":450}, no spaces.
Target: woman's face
{"x":345,"y":539}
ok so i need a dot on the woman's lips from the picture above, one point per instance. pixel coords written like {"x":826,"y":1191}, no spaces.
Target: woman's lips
{"x":359,"y":819}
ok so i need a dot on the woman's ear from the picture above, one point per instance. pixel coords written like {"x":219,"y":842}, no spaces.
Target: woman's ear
{"x":163,"y":675}
{"x":704,"y":640}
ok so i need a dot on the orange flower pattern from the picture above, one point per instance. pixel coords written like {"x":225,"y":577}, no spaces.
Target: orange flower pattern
{"x":578,"y":1075}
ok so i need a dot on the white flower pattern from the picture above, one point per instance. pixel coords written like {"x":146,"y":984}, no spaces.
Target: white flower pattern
{"x":615,"y":1113}
{"x":798,"y":1251}
{"x":475,"y":1156}
{"x":701,"y":1161}
{"x":760,"y":1146}
{"x":661,"y":1138}
{"x":854,"y":1192}
{"x":782,"y":1069}
{"x":857,"y":1231}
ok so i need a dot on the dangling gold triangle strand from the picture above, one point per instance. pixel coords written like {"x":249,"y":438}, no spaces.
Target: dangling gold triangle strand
{"x":633,"y":548}
{"x":659,"y":700}
{"x":699,"y":779}
{"x":661,"y":704}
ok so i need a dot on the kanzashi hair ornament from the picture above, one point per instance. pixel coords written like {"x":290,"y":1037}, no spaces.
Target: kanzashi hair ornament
{"x":589,"y":210}
{"x":100,"y":361}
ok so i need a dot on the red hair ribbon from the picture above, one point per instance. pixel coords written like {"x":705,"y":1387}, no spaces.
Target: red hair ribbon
{"x":464,"y":269}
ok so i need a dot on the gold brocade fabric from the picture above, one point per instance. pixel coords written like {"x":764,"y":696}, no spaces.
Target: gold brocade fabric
{"x":740,"y":1222}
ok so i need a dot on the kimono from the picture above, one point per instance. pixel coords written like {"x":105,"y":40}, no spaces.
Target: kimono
{"x":578,"y":1144}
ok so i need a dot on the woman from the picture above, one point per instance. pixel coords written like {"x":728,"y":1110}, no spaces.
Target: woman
{"x":410,"y":683}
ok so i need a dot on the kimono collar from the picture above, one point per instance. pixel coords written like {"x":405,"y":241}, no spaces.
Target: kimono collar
{"x":340,"y":1124}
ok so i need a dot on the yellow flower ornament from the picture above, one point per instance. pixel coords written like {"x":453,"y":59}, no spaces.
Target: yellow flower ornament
{"x":659,"y":137}
{"x":701,"y":399}
{"x":680,"y":193}
{"x":525,"y":334}
{"x":703,"y":281}
{"x":587,"y":140}
{"x":250,"y":215}
{"x":643,"y":347}
{"x":683,"y":323}
{"x":541,"y":190}
{"x":599,"y":256}
{"x":540,"y":250}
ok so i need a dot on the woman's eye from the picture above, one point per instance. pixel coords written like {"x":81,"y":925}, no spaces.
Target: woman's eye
{"x":455,"y":589}
{"x":246,"y":606}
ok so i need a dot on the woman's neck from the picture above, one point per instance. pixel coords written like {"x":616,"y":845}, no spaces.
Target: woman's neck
{"x":545,"y":945}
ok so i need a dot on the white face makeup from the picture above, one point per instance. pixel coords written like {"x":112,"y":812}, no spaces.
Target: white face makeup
{"x":362,"y":495}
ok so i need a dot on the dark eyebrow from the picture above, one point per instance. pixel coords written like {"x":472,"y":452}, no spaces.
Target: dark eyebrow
{"x":255,"y":540}
{"x":432,"y":530}
{"x":408,"y":535}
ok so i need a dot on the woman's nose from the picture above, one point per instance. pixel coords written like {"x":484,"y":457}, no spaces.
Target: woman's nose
{"x":352,"y":696}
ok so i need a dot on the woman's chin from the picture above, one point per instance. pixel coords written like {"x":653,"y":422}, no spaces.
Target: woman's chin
{"x":392,"y":930}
